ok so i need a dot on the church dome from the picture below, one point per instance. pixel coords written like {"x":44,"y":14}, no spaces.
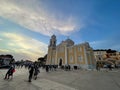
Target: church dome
{"x":69,"y":42}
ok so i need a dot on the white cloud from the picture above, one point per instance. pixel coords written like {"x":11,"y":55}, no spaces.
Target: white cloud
{"x":31,"y":15}
{"x":24,"y":46}
{"x":3,"y":50}
{"x":96,"y":42}
{"x":1,"y":39}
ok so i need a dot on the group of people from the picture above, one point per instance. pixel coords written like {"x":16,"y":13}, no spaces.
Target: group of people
{"x":33,"y":72}
{"x":34,"y":69}
{"x":107,"y":66}
{"x":54,"y":67}
{"x":66,"y":67}
{"x":50,"y":67}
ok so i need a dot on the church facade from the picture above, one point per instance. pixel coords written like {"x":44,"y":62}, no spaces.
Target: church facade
{"x":66,"y":53}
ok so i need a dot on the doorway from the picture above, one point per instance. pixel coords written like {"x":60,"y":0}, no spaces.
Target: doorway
{"x":60,"y":62}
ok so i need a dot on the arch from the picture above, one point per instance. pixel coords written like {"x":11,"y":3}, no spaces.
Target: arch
{"x":60,"y":61}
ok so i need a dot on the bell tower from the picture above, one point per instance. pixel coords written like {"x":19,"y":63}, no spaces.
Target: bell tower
{"x":52,"y":42}
{"x":51,"y":51}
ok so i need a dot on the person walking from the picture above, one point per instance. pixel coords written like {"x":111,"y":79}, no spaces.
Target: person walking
{"x":110,"y":67}
{"x":98,"y":66}
{"x":31,"y":73}
{"x":36,"y":71}
{"x":47,"y":68}
{"x":10,"y":72}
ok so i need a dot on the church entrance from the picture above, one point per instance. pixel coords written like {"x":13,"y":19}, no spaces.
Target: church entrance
{"x":60,"y":62}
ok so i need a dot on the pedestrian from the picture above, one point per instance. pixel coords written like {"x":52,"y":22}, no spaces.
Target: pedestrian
{"x":31,"y":73}
{"x":47,"y":68}
{"x":116,"y":66}
{"x":98,"y":66}
{"x":36,"y":71}
{"x":110,"y":67}
{"x":69,"y":67}
{"x":10,"y":72}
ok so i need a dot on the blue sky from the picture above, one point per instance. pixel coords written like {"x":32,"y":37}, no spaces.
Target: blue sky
{"x":25,"y":28}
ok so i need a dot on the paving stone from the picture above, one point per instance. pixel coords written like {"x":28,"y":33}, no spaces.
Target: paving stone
{"x":62,"y":80}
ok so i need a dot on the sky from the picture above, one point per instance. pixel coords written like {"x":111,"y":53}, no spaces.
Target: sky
{"x":27,"y":25}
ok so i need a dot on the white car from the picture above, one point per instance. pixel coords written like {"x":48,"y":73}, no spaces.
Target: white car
{"x":105,"y":66}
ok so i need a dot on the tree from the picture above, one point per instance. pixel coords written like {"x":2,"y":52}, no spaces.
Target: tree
{"x":42,"y":60}
{"x":111,"y":51}
{"x":10,"y":56}
{"x":7,"y":59}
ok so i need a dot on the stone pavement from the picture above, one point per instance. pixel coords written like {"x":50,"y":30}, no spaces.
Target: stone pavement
{"x":20,"y":82}
{"x":63,"y":80}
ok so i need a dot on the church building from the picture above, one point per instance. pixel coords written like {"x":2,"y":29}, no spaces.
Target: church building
{"x":66,"y":53}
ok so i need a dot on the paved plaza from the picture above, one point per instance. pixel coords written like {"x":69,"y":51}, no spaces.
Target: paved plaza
{"x":62,"y":80}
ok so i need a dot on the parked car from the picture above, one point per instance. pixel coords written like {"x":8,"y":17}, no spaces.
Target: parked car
{"x":105,"y":66}
{"x":118,"y":65}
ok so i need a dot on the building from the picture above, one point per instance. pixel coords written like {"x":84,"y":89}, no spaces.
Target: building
{"x":66,"y":53}
{"x":107,"y":56}
{"x":118,"y":55}
{"x":100,"y":54}
{"x":113,"y":54}
{"x":6,"y":59}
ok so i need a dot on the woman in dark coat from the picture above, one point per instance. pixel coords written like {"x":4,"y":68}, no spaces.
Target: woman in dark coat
{"x":47,"y":68}
{"x":36,"y":72}
{"x":10,"y":72}
{"x":31,"y":73}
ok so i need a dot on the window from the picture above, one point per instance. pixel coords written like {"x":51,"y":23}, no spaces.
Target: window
{"x":79,"y":49}
{"x":71,"y":59}
{"x":97,"y":52}
{"x":80,"y":59}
